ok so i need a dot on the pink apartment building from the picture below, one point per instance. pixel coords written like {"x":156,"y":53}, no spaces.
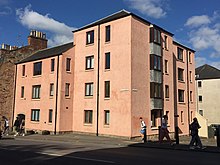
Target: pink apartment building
{"x":117,"y":69}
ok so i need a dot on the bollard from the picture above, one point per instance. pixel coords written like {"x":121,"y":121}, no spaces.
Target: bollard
{"x":217,"y":134}
{"x":177,"y":134}
{"x":145,"y":135}
{"x":159,"y":127}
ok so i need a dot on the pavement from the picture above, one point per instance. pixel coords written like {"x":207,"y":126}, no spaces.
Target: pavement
{"x":210,"y":144}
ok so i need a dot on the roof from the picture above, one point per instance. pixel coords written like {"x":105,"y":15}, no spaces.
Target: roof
{"x":115,"y":16}
{"x":185,"y":47}
{"x":207,"y":72}
{"x":49,"y":52}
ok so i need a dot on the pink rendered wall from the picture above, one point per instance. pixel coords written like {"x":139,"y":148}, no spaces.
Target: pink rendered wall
{"x":118,"y":75}
{"x":140,"y":86}
{"x":45,"y":103}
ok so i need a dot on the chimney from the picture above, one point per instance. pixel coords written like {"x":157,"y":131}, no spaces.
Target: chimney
{"x":37,"y":40}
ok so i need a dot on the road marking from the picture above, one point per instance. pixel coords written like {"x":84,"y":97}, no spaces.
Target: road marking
{"x":95,"y":160}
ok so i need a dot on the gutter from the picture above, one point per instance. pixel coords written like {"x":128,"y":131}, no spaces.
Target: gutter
{"x":15,"y":78}
{"x":56,"y":100}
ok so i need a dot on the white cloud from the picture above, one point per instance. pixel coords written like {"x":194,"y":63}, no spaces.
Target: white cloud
{"x":205,"y":33}
{"x":5,"y":11}
{"x":196,"y":21}
{"x":61,"y":33}
{"x":200,"y":61}
{"x":151,"y":8}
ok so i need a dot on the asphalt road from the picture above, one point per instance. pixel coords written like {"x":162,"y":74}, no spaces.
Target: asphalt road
{"x":16,"y":152}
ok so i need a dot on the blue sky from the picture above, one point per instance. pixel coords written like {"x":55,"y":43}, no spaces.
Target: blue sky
{"x":194,"y":23}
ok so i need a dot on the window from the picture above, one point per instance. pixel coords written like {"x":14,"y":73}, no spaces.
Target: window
{"x":22,"y":92}
{"x":90,"y":37}
{"x":107,"y":33}
{"x":180,"y":54}
{"x":155,"y":35}
{"x":23,"y":70}
{"x":67,"y":89}
{"x":200,"y":98}
{"x":107,"y":117}
{"x":37,"y":68}
{"x":89,"y":62}
{"x":107,"y":89}
{"x":155,"y":62}
{"x":36,"y":91}
{"x":88,"y":116}
{"x":68,"y":60}
{"x":107,"y":60}
{"x":181,"y":116}
{"x":166,"y":66}
{"x":190,"y":76}
{"x":50,"y":119}
{"x":165,"y":43}
{"x":201,"y":112}
{"x":166,"y":91}
{"x":35,"y":114}
{"x":52,"y":65}
{"x":155,"y":115}
{"x":155,"y":90}
{"x":190,"y":58}
{"x":180,"y":74}
{"x":51,"y":89}
{"x":200,"y":84}
{"x":89,"y":89}
{"x":191,"y":96}
{"x":181,"y":95}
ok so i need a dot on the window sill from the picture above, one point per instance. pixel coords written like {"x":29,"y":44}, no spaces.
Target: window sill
{"x":68,"y":72}
{"x":107,"y":42}
{"x":35,"y":122}
{"x":183,"y":103}
{"x":181,"y":81}
{"x":51,"y":97}
{"x":23,"y":98}
{"x":35,"y":99}
{"x":88,"y":97}
{"x":67,"y":97}
{"x":167,"y":99}
{"x":107,"y":98}
{"x":89,"y":70}
{"x":37,"y":76}
{"x":88,"y":124}
{"x":180,"y":60}
{"x":89,"y":44}
{"x":106,"y":126}
{"x":154,"y":128}
{"x":166,"y":73}
{"x":107,"y":70}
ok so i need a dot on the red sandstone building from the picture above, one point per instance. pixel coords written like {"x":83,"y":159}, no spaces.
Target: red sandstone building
{"x":117,"y":69}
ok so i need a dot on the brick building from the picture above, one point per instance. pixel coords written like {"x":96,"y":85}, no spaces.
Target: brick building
{"x":9,"y":55}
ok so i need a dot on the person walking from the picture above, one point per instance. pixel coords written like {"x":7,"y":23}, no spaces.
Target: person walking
{"x":164,"y":132}
{"x":143,"y":130}
{"x":6,"y":126}
{"x":22,"y":128}
{"x":17,"y":126}
{"x":195,"y":141}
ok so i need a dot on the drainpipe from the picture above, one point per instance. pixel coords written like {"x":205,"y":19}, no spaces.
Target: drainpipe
{"x":15,"y":78}
{"x":55,"y":127}
{"x":97,"y":114}
{"x":188,"y":94}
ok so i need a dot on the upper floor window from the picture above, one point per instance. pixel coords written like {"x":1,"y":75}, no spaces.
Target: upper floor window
{"x":36,"y":91}
{"x":181,"y":95}
{"x":166,"y":66}
{"x":37,"y":68}
{"x":155,"y":35}
{"x":191,"y":96}
{"x":90,"y":37}
{"x":165,"y":42}
{"x":89,"y":89}
{"x":107,"y":89}
{"x":89,"y":62}
{"x":107,"y":60}
{"x":67,"y":89}
{"x":51,"y":89}
{"x":52,"y":65}
{"x":155,"y":62}
{"x":180,"y":54}
{"x":166,"y":91}
{"x":200,"y":98}
{"x":23,"y":70}
{"x":22,"y":92}
{"x":190,"y":57}
{"x":180,"y":74}
{"x":200,"y":84}
{"x":68,"y":62}
{"x":107,"y":33}
{"x":190,"y":76}
{"x":155,"y":90}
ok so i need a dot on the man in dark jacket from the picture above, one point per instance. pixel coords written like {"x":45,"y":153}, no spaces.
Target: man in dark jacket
{"x":194,"y":128}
